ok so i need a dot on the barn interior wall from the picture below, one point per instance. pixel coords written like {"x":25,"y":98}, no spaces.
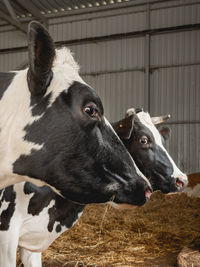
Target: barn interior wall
{"x":115,"y":64}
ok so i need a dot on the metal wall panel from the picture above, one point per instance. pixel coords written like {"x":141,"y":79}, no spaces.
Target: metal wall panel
{"x":174,"y":13}
{"x":177,"y":48}
{"x":118,"y":91}
{"x":184,"y":146}
{"x":95,"y":27}
{"x":109,"y":12}
{"x":110,"y":56}
{"x":12,"y":61}
{"x":176,"y":91}
{"x":9,"y":39}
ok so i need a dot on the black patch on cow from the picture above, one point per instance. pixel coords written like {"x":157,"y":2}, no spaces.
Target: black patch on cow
{"x":63,"y":211}
{"x":9,"y":196}
{"x":77,"y":150}
{"x":58,"y":228}
{"x":39,"y":104}
{"x":41,"y":198}
{"x":5,"y":80}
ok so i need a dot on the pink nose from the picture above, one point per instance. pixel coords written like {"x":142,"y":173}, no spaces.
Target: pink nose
{"x":148,"y":194}
{"x":181,"y":181}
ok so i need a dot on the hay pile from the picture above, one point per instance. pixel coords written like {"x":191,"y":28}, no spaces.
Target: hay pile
{"x":140,"y":237}
{"x":189,"y":257}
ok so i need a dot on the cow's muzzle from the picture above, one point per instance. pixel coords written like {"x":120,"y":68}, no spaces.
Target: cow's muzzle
{"x":181,"y":182}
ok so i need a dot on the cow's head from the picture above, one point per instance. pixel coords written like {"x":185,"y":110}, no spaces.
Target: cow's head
{"x":145,"y":143}
{"x":58,"y":133}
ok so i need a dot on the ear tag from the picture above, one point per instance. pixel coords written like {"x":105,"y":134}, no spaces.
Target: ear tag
{"x":121,"y":125}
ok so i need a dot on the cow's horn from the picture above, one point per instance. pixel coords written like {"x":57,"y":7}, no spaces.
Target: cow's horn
{"x":130,"y":112}
{"x":160,"y":119}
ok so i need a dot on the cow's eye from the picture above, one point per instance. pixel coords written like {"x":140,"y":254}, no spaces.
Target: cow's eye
{"x":91,"y":110}
{"x":144,"y":140}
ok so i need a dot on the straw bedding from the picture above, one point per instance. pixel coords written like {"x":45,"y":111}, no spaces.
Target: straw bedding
{"x":151,"y":235}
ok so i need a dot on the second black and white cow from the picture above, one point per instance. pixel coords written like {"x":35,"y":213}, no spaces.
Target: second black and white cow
{"x":145,"y":143}
{"x":33,"y":217}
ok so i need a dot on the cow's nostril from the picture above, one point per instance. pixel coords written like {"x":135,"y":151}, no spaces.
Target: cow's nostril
{"x":148,"y":193}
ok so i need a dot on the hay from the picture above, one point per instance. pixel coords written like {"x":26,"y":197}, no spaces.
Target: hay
{"x":129,"y":238}
{"x":189,"y":257}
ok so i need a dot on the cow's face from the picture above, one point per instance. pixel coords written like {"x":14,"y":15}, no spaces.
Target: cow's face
{"x":62,"y":135}
{"x":145,"y":143}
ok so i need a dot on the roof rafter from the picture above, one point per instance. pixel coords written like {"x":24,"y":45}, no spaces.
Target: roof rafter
{"x":33,"y":10}
{"x":13,"y":22}
{"x":10,"y":9}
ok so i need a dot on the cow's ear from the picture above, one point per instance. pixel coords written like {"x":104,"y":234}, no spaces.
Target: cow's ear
{"x":124,"y":127}
{"x":41,"y":53}
{"x":165,"y":132}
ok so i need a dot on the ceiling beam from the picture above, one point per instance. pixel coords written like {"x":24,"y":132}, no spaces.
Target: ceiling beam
{"x":13,"y":22}
{"x":10,"y":9}
{"x":33,"y":10}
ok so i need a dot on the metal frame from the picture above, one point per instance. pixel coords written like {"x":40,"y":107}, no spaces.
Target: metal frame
{"x":33,"y":10}
{"x":189,"y":27}
{"x":13,"y":22}
{"x":147,"y":60}
{"x":12,"y":17}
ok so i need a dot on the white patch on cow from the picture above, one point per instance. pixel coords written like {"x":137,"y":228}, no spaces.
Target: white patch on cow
{"x":1,"y":194}
{"x":29,"y":258}
{"x":145,"y":119}
{"x":112,"y":187}
{"x":34,"y":234}
{"x":4,"y":206}
{"x":65,"y":72}
{"x":65,"y":56}
{"x":136,"y":168}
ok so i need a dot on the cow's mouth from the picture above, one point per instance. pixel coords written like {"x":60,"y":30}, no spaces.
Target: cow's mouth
{"x":126,"y":206}
{"x":180,"y":185}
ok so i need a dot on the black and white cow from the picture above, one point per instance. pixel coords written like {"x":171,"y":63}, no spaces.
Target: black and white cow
{"x":33,"y":217}
{"x":53,"y":131}
{"x":145,"y":143}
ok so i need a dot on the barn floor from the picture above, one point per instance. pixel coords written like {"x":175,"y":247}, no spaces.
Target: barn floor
{"x":151,"y":235}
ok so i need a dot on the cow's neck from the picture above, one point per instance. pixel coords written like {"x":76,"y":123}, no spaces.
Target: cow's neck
{"x":62,"y":212}
{"x":15,"y":114}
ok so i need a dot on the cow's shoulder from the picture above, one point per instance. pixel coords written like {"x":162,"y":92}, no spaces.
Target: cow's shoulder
{"x":61,"y":213}
{"x":64,"y":213}
{"x":40,"y":197}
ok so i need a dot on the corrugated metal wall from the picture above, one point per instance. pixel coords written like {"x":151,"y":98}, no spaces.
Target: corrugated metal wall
{"x":114,"y":61}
